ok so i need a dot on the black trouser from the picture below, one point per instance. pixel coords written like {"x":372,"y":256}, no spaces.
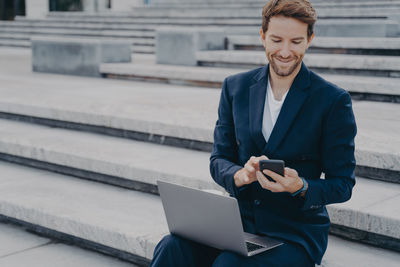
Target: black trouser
{"x":175,"y":251}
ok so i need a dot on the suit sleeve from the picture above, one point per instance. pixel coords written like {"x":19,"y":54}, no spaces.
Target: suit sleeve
{"x":224,"y":157}
{"x":338,"y":161}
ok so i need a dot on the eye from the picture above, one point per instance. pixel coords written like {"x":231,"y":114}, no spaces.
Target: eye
{"x":276,"y":40}
{"x":296,"y":42}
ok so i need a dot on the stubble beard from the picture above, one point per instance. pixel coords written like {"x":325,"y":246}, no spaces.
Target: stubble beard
{"x":284,"y":72}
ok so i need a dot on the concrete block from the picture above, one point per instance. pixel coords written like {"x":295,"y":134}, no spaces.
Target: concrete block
{"x":394,"y":17}
{"x":36,"y":8}
{"x":77,"y":56}
{"x":94,"y":5}
{"x":178,"y":46}
{"x":115,"y":51}
{"x":125,"y":5}
{"x":358,"y":28}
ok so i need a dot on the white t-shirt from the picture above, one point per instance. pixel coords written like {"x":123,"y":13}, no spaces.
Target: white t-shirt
{"x":272,"y":107}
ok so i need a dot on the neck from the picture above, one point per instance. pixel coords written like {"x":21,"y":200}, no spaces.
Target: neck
{"x":281,"y":84}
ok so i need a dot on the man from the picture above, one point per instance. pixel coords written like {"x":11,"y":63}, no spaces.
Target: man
{"x":280,"y":111}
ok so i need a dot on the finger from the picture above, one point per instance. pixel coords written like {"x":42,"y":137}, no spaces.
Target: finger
{"x":249,"y":168}
{"x":276,"y":177}
{"x":251,"y":160}
{"x":264,"y":157}
{"x":252,"y":165}
{"x":266,"y":184}
{"x":254,"y":161}
{"x":262,"y":180}
{"x":290,"y":172}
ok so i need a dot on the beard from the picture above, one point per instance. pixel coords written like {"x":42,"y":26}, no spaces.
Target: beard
{"x":284,"y":71}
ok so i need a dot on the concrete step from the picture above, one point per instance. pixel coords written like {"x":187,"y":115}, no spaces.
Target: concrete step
{"x":370,"y":88}
{"x":139,"y":45}
{"x":159,"y":20}
{"x":246,"y":4}
{"x":331,"y":45}
{"x":145,"y":49}
{"x":13,"y":36}
{"x":362,"y":4}
{"x":357,"y":28}
{"x":120,"y":222}
{"x":328,"y":27}
{"x":15,"y":43}
{"x":356,"y":12}
{"x":181,"y":75}
{"x":227,"y":12}
{"x":136,"y":48}
{"x":387,"y":66}
{"x":342,"y":253}
{"x":369,"y":211}
{"x":320,"y":4}
{"x":122,"y":162}
{"x":22,"y":248}
{"x":27,"y":37}
{"x":65,"y":24}
{"x":81,"y":32}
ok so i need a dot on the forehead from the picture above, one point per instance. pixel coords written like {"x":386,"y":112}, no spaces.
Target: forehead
{"x":287,"y":27}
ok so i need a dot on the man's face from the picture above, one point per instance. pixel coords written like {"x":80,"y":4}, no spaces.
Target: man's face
{"x":285,"y":44}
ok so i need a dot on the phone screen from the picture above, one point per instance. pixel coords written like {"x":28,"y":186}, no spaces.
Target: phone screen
{"x":275,"y":165}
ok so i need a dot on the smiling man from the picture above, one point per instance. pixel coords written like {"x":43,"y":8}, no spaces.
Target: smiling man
{"x":280,"y":111}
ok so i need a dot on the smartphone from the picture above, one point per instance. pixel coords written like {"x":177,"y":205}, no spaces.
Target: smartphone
{"x":275,"y":165}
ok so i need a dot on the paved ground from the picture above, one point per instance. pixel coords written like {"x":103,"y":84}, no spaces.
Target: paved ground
{"x":19,"y":248}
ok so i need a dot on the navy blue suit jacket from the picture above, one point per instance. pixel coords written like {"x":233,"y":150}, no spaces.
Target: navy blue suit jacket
{"x":314,"y":134}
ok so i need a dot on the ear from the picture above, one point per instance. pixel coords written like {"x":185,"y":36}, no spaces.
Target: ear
{"x":262,"y":35}
{"x":309,"y":40}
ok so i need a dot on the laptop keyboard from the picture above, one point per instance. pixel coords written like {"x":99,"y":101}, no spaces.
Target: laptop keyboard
{"x":251,"y":246}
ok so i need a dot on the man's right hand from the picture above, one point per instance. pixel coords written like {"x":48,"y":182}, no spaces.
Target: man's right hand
{"x":247,"y":174}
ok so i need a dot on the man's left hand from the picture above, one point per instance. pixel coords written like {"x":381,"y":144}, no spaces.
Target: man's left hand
{"x":291,"y":182}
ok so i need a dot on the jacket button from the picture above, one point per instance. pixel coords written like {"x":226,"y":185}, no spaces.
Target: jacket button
{"x":257,"y":202}
{"x":238,"y":142}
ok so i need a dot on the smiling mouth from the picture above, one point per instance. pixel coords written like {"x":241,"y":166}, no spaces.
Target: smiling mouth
{"x":285,"y":61}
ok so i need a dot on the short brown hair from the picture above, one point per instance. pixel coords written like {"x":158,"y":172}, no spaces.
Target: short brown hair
{"x":298,"y":9}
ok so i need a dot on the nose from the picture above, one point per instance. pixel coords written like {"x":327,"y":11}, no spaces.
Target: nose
{"x":285,"y":50}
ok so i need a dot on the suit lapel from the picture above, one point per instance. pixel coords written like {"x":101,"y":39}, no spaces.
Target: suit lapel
{"x":290,"y":108}
{"x":256,"y":107}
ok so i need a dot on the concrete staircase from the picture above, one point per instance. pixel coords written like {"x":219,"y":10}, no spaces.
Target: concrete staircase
{"x":365,"y":77}
{"x":368,"y":67}
{"x":80,"y":158}
{"x":341,"y":19}
{"x":118,"y":137}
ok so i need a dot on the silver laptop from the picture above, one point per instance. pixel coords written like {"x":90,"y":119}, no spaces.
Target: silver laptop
{"x":210,"y":219}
